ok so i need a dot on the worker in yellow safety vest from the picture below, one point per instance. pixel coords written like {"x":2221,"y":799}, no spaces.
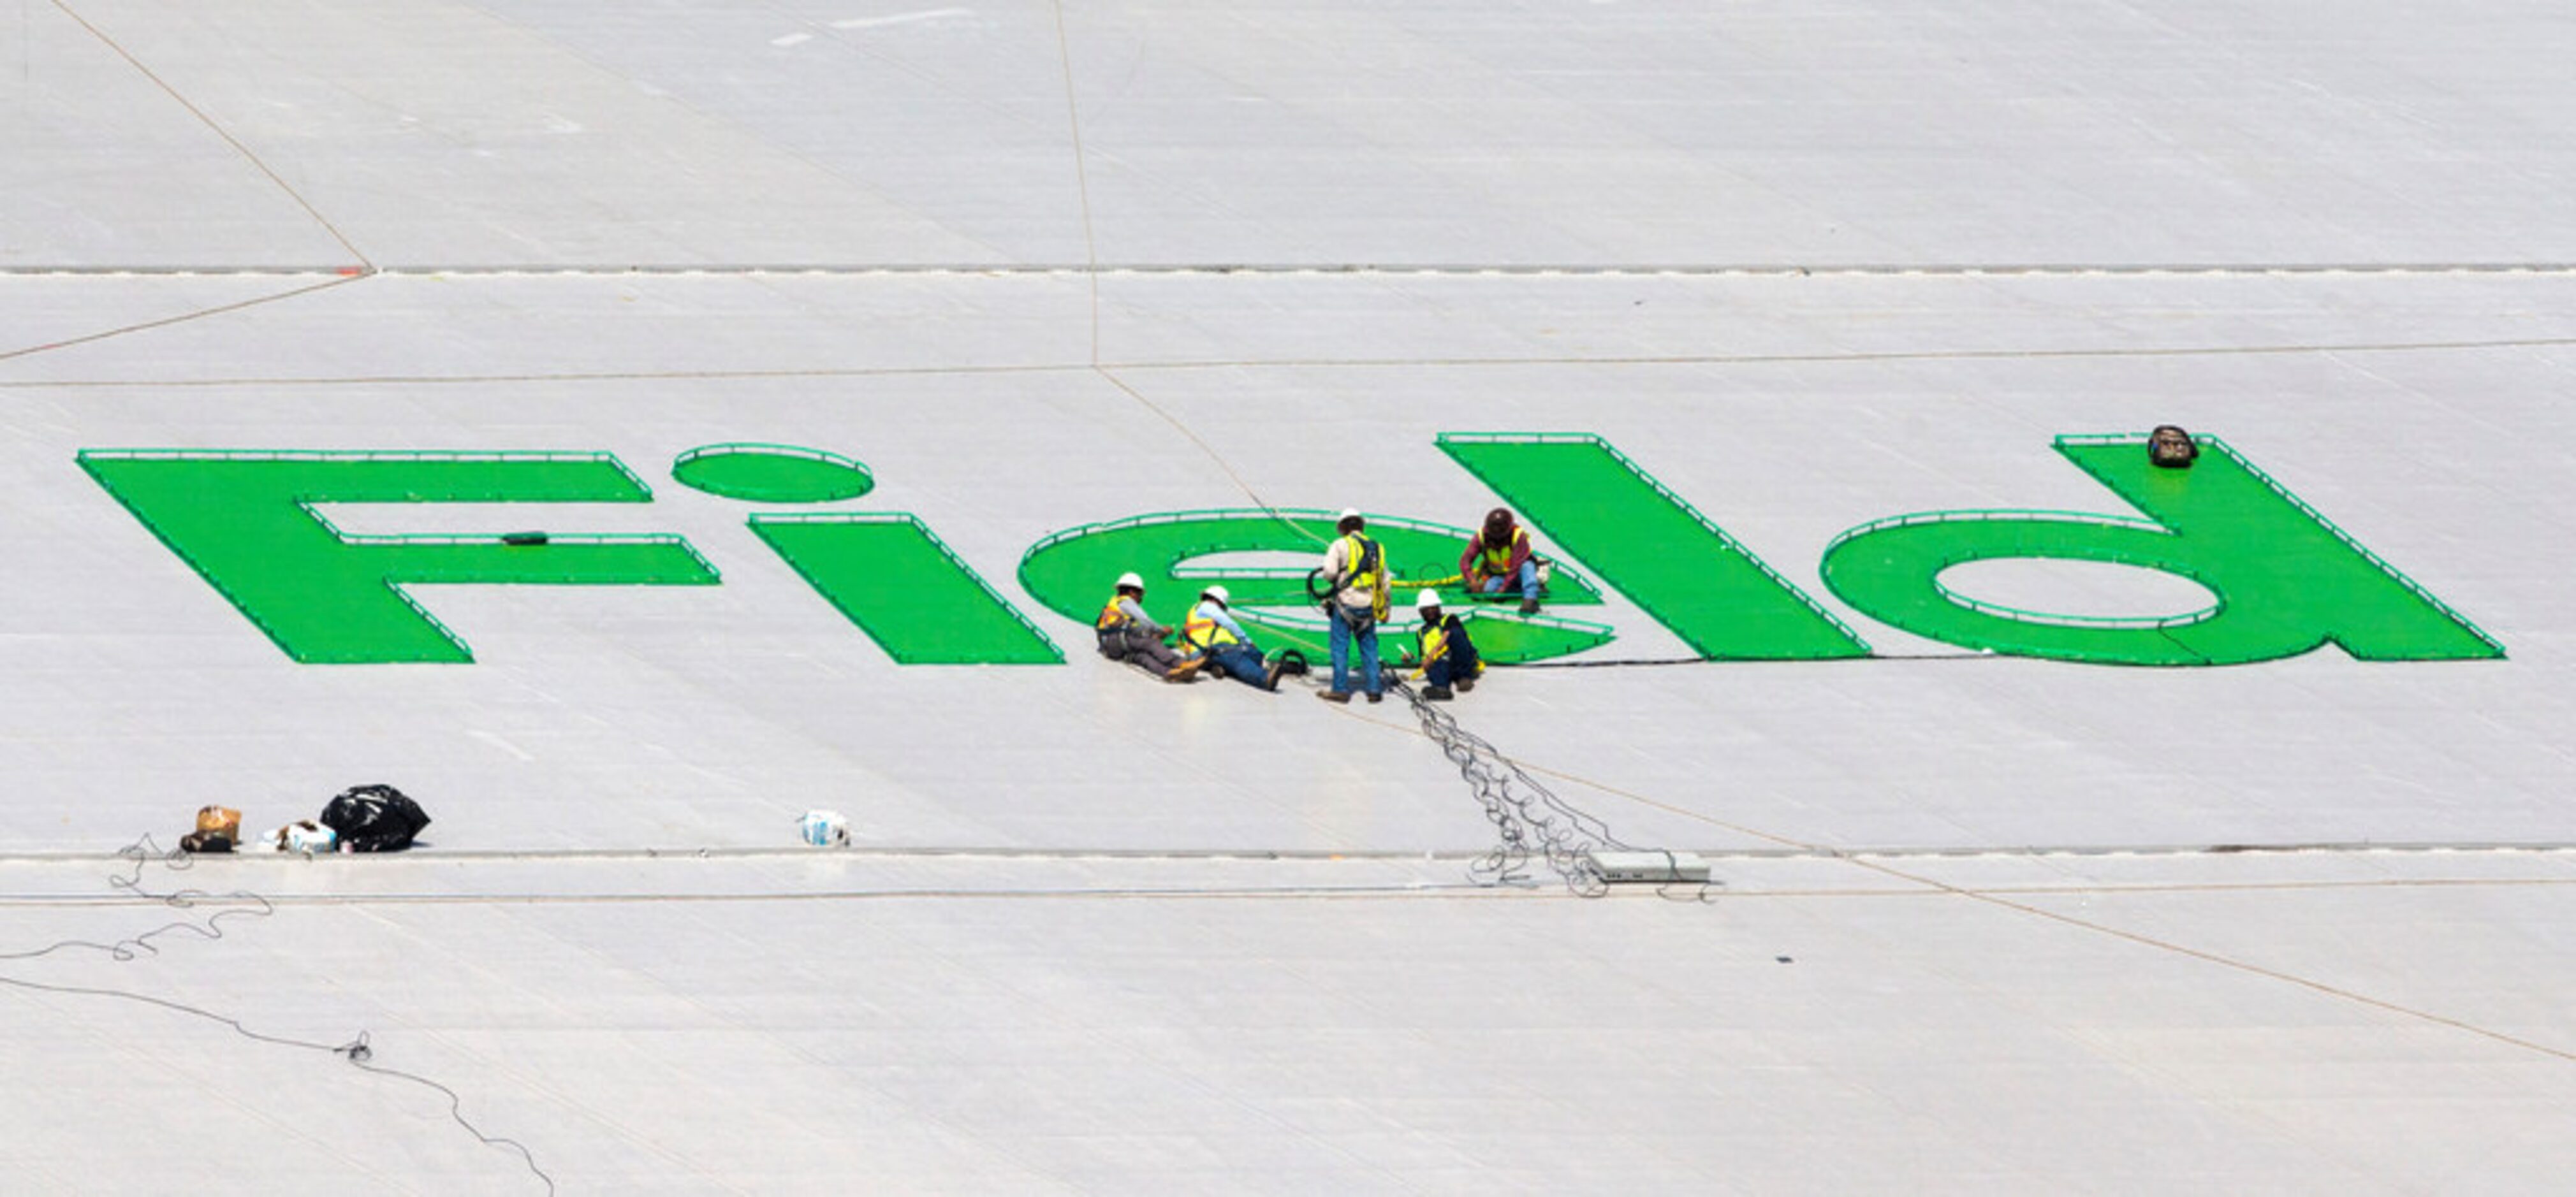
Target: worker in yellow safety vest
{"x":1355,"y":566}
{"x":1128,"y":634}
{"x":1446,"y":657}
{"x":1499,"y":556}
{"x":1213,"y":634}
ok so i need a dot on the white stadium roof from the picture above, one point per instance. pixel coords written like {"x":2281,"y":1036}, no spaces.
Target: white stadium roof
{"x":1979,"y":921}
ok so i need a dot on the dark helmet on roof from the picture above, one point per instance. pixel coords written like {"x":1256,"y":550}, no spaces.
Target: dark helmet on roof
{"x":2171,"y":447}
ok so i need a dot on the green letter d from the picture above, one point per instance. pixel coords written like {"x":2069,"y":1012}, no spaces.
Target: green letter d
{"x":2287,"y":581}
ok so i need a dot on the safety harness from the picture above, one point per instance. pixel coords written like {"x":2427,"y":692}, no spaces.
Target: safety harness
{"x":1366,"y":571}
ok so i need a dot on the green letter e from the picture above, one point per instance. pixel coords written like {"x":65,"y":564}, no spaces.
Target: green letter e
{"x":2287,"y":581}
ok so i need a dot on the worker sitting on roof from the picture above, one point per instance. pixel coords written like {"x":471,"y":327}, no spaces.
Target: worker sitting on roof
{"x":1499,"y":557}
{"x":1446,"y":656}
{"x":1128,"y":634}
{"x":1221,"y":642}
{"x":1356,"y":569}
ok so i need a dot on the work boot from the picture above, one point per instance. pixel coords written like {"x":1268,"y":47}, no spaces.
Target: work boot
{"x":1374,"y":696}
{"x":1437,"y":693}
{"x":1529,"y":606}
{"x":1185,"y":670}
{"x":1334,"y":695}
{"x":1465,"y":684}
{"x":1270,"y":674}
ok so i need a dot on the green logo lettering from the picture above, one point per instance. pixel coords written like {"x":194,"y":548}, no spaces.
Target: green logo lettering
{"x":246,"y":523}
{"x":885,"y":572}
{"x":2287,"y":580}
{"x":904,"y":587}
{"x":1658,"y":550}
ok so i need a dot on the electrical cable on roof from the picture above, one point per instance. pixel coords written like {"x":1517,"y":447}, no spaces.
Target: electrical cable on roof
{"x":358,"y":1051}
{"x":137,"y":854}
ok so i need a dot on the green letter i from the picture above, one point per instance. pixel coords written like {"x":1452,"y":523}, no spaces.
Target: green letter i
{"x":885,"y":571}
{"x":1647,"y":543}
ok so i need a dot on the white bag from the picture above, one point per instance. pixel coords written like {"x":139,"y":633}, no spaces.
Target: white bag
{"x":825,"y":828}
{"x":305,"y":836}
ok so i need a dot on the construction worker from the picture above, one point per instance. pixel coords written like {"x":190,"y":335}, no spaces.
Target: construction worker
{"x":1499,"y":557}
{"x":1128,"y":634}
{"x":1355,"y":566}
{"x":1221,"y":642}
{"x":1447,"y":657}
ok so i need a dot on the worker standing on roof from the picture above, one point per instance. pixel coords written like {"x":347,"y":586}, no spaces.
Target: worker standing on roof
{"x":1219,"y":641}
{"x":1500,"y":557}
{"x":1128,"y":634}
{"x":1355,"y":566}
{"x":1448,"y":658}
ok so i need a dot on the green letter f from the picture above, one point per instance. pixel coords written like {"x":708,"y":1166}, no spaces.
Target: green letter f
{"x":245,"y":522}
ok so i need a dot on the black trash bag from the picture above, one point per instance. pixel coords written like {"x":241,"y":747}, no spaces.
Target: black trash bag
{"x":374,"y":819}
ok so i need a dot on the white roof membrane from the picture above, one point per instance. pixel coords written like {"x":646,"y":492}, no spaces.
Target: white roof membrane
{"x":1981,"y":923}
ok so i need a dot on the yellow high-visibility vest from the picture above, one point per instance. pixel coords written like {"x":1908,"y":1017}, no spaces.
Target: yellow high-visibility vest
{"x":1204,"y":632}
{"x":1435,"y":641}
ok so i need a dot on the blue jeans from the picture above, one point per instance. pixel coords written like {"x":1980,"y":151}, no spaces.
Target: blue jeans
{"x":1528,"y":580}
{"x":1241,"y":661}
{"x":1342,"y":654}
{"x":1457,"y":660}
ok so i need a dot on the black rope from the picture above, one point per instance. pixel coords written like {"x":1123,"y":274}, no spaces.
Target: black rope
{"x":138,"y":854}
{"x":358,"y":1051}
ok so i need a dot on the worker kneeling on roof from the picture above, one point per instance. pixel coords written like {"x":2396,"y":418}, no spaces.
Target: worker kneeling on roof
{"x":1499,"y":556}
{"x":1221,"y":642}
{"x":1448,"y":658}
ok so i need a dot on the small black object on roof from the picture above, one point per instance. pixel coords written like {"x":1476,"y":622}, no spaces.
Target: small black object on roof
{"x":2171,"y":448}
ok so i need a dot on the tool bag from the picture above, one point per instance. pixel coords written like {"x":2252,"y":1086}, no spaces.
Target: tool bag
{"x":374,"y":818}
{"x":218,"y":829}
{"x":2171,"y":448}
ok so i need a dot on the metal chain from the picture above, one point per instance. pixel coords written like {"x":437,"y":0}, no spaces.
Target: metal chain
{"x":1530,"y":820}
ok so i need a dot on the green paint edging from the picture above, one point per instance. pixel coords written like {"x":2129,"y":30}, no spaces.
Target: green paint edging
{"x":245,"y":521}
{"x":2008,"y":517}
{"x":1070,"y":572}
{"x":766,"y":473}
{"x":1651,"y":544}
{"x":2286,"y":495}
{"x":889,"y":574}
{"x":2288,"y":581}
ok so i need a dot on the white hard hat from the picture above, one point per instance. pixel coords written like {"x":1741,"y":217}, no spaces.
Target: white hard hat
{"x":1348,"y":513}
{"x":1219,"y":594}
{"x":1428,"y":598}
{"x":1127,"y":580}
